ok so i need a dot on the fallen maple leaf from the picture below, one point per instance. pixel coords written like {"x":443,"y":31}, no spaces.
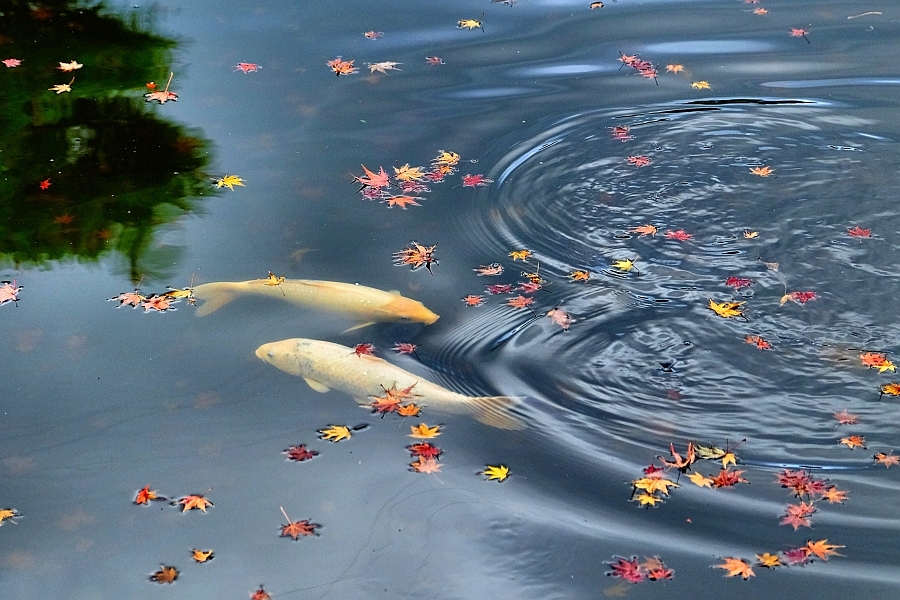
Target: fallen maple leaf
{"x":384,"y":67}
{"x":299,"y":453}
{"x":760,"y":11}
{"x":726,"y":309}
{"x":800,"y":32}
{"x":9,"y":514}
{"x":683,"y":464}
{"x":335,"y":433}
{"x":45,"y":184}
{"x":803,"y":297}
{"x":475,"y":180}
{"x":342,"y":67}
{"x":845,"y":418}
{"x":560,"y":317}
{"x":423,"y":431}
{"x":192,"y":502}
{"x":69,"y":66}
{"x":821,"y":549}
{"x":409,"y":410}
{"x":373,"y":180}
{"x":639,"y":161}
{"x":648,"y":500}
{"x":294,"y":529}
{"x":727,"y":478}
{"x":260,"y":594}
{"x":402,"y":201}
{"x":163,"y":96}
{"x":751,"y":234}
{"x":701,"y":85}
{"x":735,"y":567}
{"x":654,"y":483}
{"x":681,"y":235}
{"x":469,"y":24}
{"x":834,"y":495}
{"x":674,"y":68}
{"x":11,"y":63}
{"x":629,"y":570}
{"x":596,"y":4}
{"x":701,"y":480}
{"x":165,"y":575}
{"x":644,"y":230}
{"x":762,"y":171}
{"x":159,"y":303}
{"x":497,"y":473}
{"x":416,"y":255}
{"x":886,"y":459}
{"x":854,"y":441}
{"x":434,"y":60}
{"x":758,"y":342}
{"x":500,"y":288}
{"x":769,"y":561}
{"x":230,"y":181}
{"x":145,"y":494}
{"x":620,"y":132}
{"x":425,"y":450}
{"x":796,"y":556}
{"x":425,"y":465}
{"x":202,"y":556}
{"x":489,"y":270}
{"x":247,"y":67}
{"x":10,"y":292}
{"x":519,"y":301}
{"x":891,"y":389}
{"x":373,"y":35}
{"x":655,"y":569}
{"x":62,"y":87}
{"x":520,"y":255}
{"x":364,"y":349}
{"x":473,"y":300}
{"x":738,"y":282}
{"x":875,"y":360}
{"x":859,"y":232}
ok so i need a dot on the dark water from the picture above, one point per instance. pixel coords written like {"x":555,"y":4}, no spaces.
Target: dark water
{"x":98,"y":402}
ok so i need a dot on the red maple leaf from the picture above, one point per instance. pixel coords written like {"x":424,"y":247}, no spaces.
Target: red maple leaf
{"x":373,"y":180}
{"x":500,"y":288}
{"x":858,"y":231}
{"x":473,"y":300}
{"x":475,"y":180}
{"x":738,"y":282}
{"x":520,"y":301}
{"x":795,"y":521}
{"x":384,"y":405}
{"x":413,"y":187}
{"x":650,"y":469}
{"x":434,"y":60}
{"x":361,"y":349}
{"x":405,"y":347}
{"x":629,"y":570}
{"x":145,"y":494}
{"x":260,"y":594}
{"x":620,"y":133}
{"x":158,"y":303}
{"x":425,"y":450}
{"x":528,"y":287}
{"x":758,"y":342}
{"x":247,"y":67}
{"x":803,"y":297}
{"x":795,"y":556}
{"x":45,"y":184}
{"x":680,"y":235}
{"x":299,"y":453}
{"x":639,"y":161}
{"x":727,"y":478}
{"x":435,"y":175}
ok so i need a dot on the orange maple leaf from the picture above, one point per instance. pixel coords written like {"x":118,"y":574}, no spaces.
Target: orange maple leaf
{"x":854,"y":441}
{"x":402,"y":201}
{"x":409,"y":410}
{"x":260,"y":594}
{"x":425,"y":465}
{"x":519,"y":301}
{"x":887,"y":459}
{"x":644,"y":230}
{"x":735,"y":567}
{"x":845,"y":418}
{"x":165,"y":575}
{"x":727,"y":478}
{"x":821,"y":549}
{"x":193,"y":501}
{"x":294,"y":529}
{"x":762,"y":171}
{"x":145,"y":495}
{"x":876,"y":360}
{"x":758,"y":342}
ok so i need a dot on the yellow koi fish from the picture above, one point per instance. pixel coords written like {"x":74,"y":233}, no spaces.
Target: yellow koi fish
{"x":326,"y":366}
{"x":365,"y":304}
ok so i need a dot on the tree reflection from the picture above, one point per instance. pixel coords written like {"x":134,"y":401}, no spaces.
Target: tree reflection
{"x":117,"y":170}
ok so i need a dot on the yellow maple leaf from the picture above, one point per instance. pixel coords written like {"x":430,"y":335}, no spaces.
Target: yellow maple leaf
{"x":408,"y":410}
{"x":408,"y":173}
{"x":423,"y":431}
{"x":750,"y":234}
{"x":202,"y":556}
{"x":8,"y":514}
{"x":273,"y":280}
{"x":728,"y":458}
{"x":736,"y":566}
{"x":674,"y":68}
{"x":580,"y":275}
{"x":769,"y":561}
{"x":648,"y":500}
{"x":701,"y":480}
{"x":62,"y":87}
{"x":726,"y":309}
{"x":654,"y":484}
{"x":335,"y":433}
{"x":701,"y":85}
{"x":623,"y":265}
{"x":891,"y":389}
{"x":446,"y":158}
{"x":520,"y":254}
{"x":499,"y":473}
{"x":230,"y":181}
{"x":469,"y":24}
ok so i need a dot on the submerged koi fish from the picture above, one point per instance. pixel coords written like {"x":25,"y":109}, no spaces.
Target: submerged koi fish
{"x":367,"y":305}
{"x":325,"y":366}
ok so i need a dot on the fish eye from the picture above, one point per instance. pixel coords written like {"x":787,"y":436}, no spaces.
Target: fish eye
{"x":404,"y":317}
{"x":270,"y":354}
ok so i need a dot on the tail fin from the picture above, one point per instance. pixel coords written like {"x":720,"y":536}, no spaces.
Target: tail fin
{"x":496,"y":411}
{"x":214,"y":296}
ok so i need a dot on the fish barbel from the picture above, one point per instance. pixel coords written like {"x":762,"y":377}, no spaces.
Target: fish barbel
{"x":326,"y":366}
{"x":366,"y":305}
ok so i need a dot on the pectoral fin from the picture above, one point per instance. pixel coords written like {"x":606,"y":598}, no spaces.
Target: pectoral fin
{"x":360,"y":326}
{"x":317,"y":385}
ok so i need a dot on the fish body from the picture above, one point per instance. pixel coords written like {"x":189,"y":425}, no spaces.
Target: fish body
{"x":326,"y":366}
{"x":366,"y":305}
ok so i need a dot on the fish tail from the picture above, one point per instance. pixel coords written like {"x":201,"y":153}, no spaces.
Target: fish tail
{"x":495,"y":411}
{"x":214,"y":296}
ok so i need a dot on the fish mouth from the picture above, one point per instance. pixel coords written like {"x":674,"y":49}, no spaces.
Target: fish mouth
{"x":430,"y":318}
{"x":261,"y":352}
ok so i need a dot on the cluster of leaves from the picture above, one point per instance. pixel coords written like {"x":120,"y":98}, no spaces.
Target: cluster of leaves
{"x":799,"y":556}
{"x":412,"y":181}
{"x":808,"y":490}
{"x":161,"y":302}
{"x":651,"y":569}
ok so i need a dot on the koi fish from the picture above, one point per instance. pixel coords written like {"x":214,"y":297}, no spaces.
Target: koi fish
{"x":365,"y":304}
{"x":326,"y":366}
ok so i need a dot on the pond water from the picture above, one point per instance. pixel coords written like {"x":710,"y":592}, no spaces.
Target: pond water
{"x":764,"y":147}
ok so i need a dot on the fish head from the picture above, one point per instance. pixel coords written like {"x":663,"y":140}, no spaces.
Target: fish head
{"x":294,"y":356}
{"x":406,"y":309}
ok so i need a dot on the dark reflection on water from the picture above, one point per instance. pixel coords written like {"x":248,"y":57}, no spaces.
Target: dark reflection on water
{"x":96,"y":402}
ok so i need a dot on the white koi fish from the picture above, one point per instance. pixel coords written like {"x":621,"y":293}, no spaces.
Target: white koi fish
{"x":365,"y":304}
{"x":326,"y":366}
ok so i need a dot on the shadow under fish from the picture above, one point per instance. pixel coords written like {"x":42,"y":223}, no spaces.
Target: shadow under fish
{"x":326,"y":366}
